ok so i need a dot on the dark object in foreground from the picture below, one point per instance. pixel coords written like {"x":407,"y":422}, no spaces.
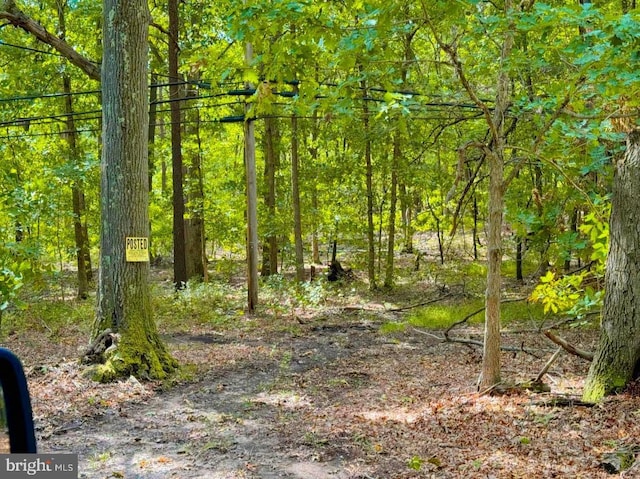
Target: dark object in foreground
{"x":17,"y":404}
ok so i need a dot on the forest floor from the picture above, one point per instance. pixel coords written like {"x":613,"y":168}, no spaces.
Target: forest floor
{"x":325,"y":393}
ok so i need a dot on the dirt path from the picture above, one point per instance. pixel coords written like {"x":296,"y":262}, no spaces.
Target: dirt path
{"x":334,"y":400}
{"x":226,"y":425}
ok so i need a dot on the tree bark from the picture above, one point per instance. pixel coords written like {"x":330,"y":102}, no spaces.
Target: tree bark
{"x":397,"y":154}
{"x":83,"y":257}
{"x":618,"y":353}
{"x":252,"y":198}
{"x":194,"y":226}
{"x":490,"y":374}
{"x":124,"y":300}
{"x":371,"y":252}
{"x":271,"y":150}
{"x":406,"y":216}
{"x":313,"y":153}
{"x":295,"y":199}
{"x":179,"y":250}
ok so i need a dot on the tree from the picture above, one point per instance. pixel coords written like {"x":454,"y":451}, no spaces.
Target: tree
{"x":83,"y":258}
{"x":179,"y":252}
{"x":124,"y":303}
{"x":271,"y":149}
{"x":295,"y":198}
{"x":495,"y":151}
{"x":251,"y":192}
{"x":618,"y":353}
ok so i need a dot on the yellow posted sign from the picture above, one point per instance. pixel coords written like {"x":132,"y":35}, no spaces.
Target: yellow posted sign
{"x":137,"y":249}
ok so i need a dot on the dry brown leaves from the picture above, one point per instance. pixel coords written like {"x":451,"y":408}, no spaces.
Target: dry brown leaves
{"x":378,"y":406}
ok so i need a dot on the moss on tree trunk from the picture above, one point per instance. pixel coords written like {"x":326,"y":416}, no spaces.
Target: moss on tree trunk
{"x":618,"y":352}
{"x":124,"y":301}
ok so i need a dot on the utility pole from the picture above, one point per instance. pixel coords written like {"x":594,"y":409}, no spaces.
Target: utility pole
{"x":252,"y":196}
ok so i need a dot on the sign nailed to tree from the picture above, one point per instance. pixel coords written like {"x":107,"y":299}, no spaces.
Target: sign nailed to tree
{"x":137,"y":249}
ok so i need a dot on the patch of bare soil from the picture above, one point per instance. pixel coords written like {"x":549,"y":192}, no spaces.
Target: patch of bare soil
{"x":335,"y":400}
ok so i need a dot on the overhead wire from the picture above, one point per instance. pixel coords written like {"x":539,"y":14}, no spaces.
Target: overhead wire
{"x":21,"y":121}
{"x":34,"y":50}
{"x":242,"y":91}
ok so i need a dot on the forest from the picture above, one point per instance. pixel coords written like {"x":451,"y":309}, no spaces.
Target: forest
{"x":310,"y":239}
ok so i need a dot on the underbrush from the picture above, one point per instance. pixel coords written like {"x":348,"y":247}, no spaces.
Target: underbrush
{"x":53,"y":316}
{"x":212,"y":304}
{"x":444,"y":315}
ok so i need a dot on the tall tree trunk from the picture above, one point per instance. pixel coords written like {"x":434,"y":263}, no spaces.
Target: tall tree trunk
{"x":151,"y":140}
{"x":195,"y":254}
{"x":83,"y":257}
{"x":396,"y":161}
{"x":397,"y":154}
{"x":179,"y":250}
{"x":476,"y":236}
{"x":151,"y":136}
{"x":252,"y":198}
{"x":271,"y":149}
{"x":124,"y":300}
{"x":295,"y":199}
{"x":617,"y":357}
{"x":313,"y":153}
{"x":490,"y":374}
{"x":519,"y":247}
{"x":406,"y":216}
{"x":371,"y":256}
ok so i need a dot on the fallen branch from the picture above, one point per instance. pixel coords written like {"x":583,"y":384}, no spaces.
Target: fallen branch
{"x":546,"y":367}
{"x":480,"y":344}
{"x":471,"y":315}
{"x":424,"y":303}
{"x":568,"y":347}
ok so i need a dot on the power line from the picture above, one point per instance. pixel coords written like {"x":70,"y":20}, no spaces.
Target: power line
{"x":80,"y":115}
{"x":46,"y":95}
{"x":29,"y":49}
{"x":239,"y":92}
{"x":225,"y":119}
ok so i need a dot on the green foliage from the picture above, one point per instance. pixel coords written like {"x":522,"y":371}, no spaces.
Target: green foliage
{"x":570,"y":294}
{"x":596,"y":227}
{"x":415,"y":463}
{"x":282,"y":295}
{"x":213,"y":304}
{"x":10,"y":283}
{"x":557,"y":294}
{"x":441,"y":316}
{"x":50,"y":316}
{"x":567,"y":295}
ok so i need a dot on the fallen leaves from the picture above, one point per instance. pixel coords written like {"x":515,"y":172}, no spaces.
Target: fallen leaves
{"x":348,"y":397}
